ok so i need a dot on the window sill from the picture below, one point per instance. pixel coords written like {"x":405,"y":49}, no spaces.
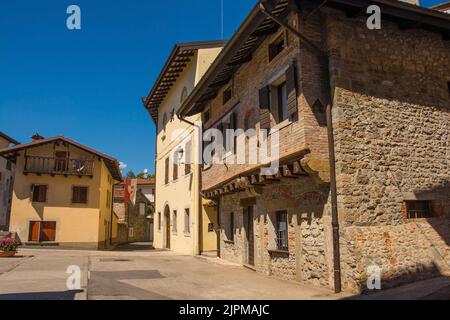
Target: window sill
{"x":228,"y":241}
{"x":187,"y":235}
{"x":283,"y":252}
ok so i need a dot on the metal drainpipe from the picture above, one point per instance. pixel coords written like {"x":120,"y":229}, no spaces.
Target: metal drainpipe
{"x":331,"y":150}
{"x":199,"y":217}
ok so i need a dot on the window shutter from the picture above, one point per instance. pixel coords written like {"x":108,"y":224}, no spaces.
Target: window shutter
{"x":291,"y":85}
{"x":264,"y":107}
{"x":83,"y":195}
{"x":42,"y":193}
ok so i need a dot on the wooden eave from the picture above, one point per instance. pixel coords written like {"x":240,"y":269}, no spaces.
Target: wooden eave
{"x":290,"y":168}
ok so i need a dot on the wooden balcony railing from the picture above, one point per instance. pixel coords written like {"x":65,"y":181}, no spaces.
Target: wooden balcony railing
{"x":58,"y":166}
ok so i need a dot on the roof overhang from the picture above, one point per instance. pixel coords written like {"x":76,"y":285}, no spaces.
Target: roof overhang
{"x":111,"y":163}
{"x":178,"y":60}
{"x":8,"y":138}
{"x":256,"y":27}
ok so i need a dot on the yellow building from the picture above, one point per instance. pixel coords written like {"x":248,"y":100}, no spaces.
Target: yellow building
{"x":182,"y":223}
{"x":62,"y":193}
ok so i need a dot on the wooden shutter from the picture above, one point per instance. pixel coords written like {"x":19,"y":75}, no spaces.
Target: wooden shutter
{"x":83,"y":195}
{"x":291,"y":85}
{"x":264,"y":107}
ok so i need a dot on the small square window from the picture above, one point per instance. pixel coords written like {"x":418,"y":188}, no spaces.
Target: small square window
{"x":418,"y":209}
{"x":206,"y":116}
{"x":39,"y":193}
{"x":80,"y":195}
{"x":276,"y":47}
{"x":227,"y":95}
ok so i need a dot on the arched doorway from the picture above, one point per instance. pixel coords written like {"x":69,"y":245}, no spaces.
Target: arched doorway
{"x":167,"y":226}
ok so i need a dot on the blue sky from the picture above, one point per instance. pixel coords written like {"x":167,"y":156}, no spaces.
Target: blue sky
{"x":88,"y":84}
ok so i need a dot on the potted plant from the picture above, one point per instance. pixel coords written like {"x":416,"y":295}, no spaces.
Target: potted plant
{"x":8,"y":247}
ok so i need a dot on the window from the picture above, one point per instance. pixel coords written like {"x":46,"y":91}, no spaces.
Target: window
{"x":142,"y":209}
{"x":42,"y":231}
{"x":282,"y":102}
{"x":175,"y":170}
{"x":174,"y":221}
{"x":227,"y":94}
{"x":230,"y":229}
{"x":167,"y":163}
{"x":159,"y":220}
{"x":80,"y":195}
{"x":281,"y":229}
{"x":276,"y":47}
{"x":187,"y":162}
{"x":187,"y":221}
{"x":39,"y":193}
{"x":8,"y":165}
{"x":418,"y":209}
{"x":108,"y":198}
{"x":206,"y":115}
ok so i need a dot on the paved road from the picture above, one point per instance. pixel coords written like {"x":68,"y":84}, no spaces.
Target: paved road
{"x":136,"y":272}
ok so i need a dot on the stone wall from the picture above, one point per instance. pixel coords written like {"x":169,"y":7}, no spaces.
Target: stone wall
{"x":309,"y":236}
{"x":391,"y":120}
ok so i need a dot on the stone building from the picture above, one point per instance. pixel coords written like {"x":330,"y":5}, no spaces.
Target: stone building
{"x":6,"y":182}
{"x":135,"y":220}
{"x":388,"y":90}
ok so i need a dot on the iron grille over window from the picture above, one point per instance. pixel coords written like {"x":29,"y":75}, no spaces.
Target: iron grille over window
{"x":282,"y":231}
{"x":418,"y":209}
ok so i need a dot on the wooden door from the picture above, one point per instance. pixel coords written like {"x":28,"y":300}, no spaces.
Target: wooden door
{"x":168,"y":230}
{"x":250,"y":236}
{"x":35,"y":229}
{"x":48,"y":231}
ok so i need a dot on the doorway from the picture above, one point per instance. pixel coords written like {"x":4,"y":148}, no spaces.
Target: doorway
{"x":61,"y":161}
{"x":167,"y":219}
{"x":248,"y":220}
{"x":42,"y":231}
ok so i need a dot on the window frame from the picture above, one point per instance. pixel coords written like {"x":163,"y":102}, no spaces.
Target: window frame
{"x":272,"y":54}
{"x":39,"y":193}
{"x":282,"y":236}
{"x":175,"y":221}
{"x":73,"y":201}
{"x":411,"y":207}
{"x":187,"y":221}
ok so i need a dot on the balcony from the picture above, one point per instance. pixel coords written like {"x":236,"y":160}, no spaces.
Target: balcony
{"x":59,"y":166}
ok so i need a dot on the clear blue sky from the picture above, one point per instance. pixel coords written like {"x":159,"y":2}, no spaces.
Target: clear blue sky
{"x":88,"y":84}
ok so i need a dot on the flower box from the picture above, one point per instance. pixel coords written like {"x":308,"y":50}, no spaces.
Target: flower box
{"x":8,"y":247}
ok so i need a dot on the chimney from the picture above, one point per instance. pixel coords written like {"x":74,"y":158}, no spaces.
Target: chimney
{"x":37,"y":137}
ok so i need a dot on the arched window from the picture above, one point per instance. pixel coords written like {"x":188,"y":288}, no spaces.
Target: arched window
{"x":184,"y":94}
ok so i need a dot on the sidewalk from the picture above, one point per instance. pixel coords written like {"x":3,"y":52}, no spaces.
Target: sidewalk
{"x":437,"y":288}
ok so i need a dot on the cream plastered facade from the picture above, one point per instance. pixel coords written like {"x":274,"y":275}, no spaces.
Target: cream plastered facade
{"x":182,"y":193}
{"x":6,"y":183}
{"x":86,"y":226}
